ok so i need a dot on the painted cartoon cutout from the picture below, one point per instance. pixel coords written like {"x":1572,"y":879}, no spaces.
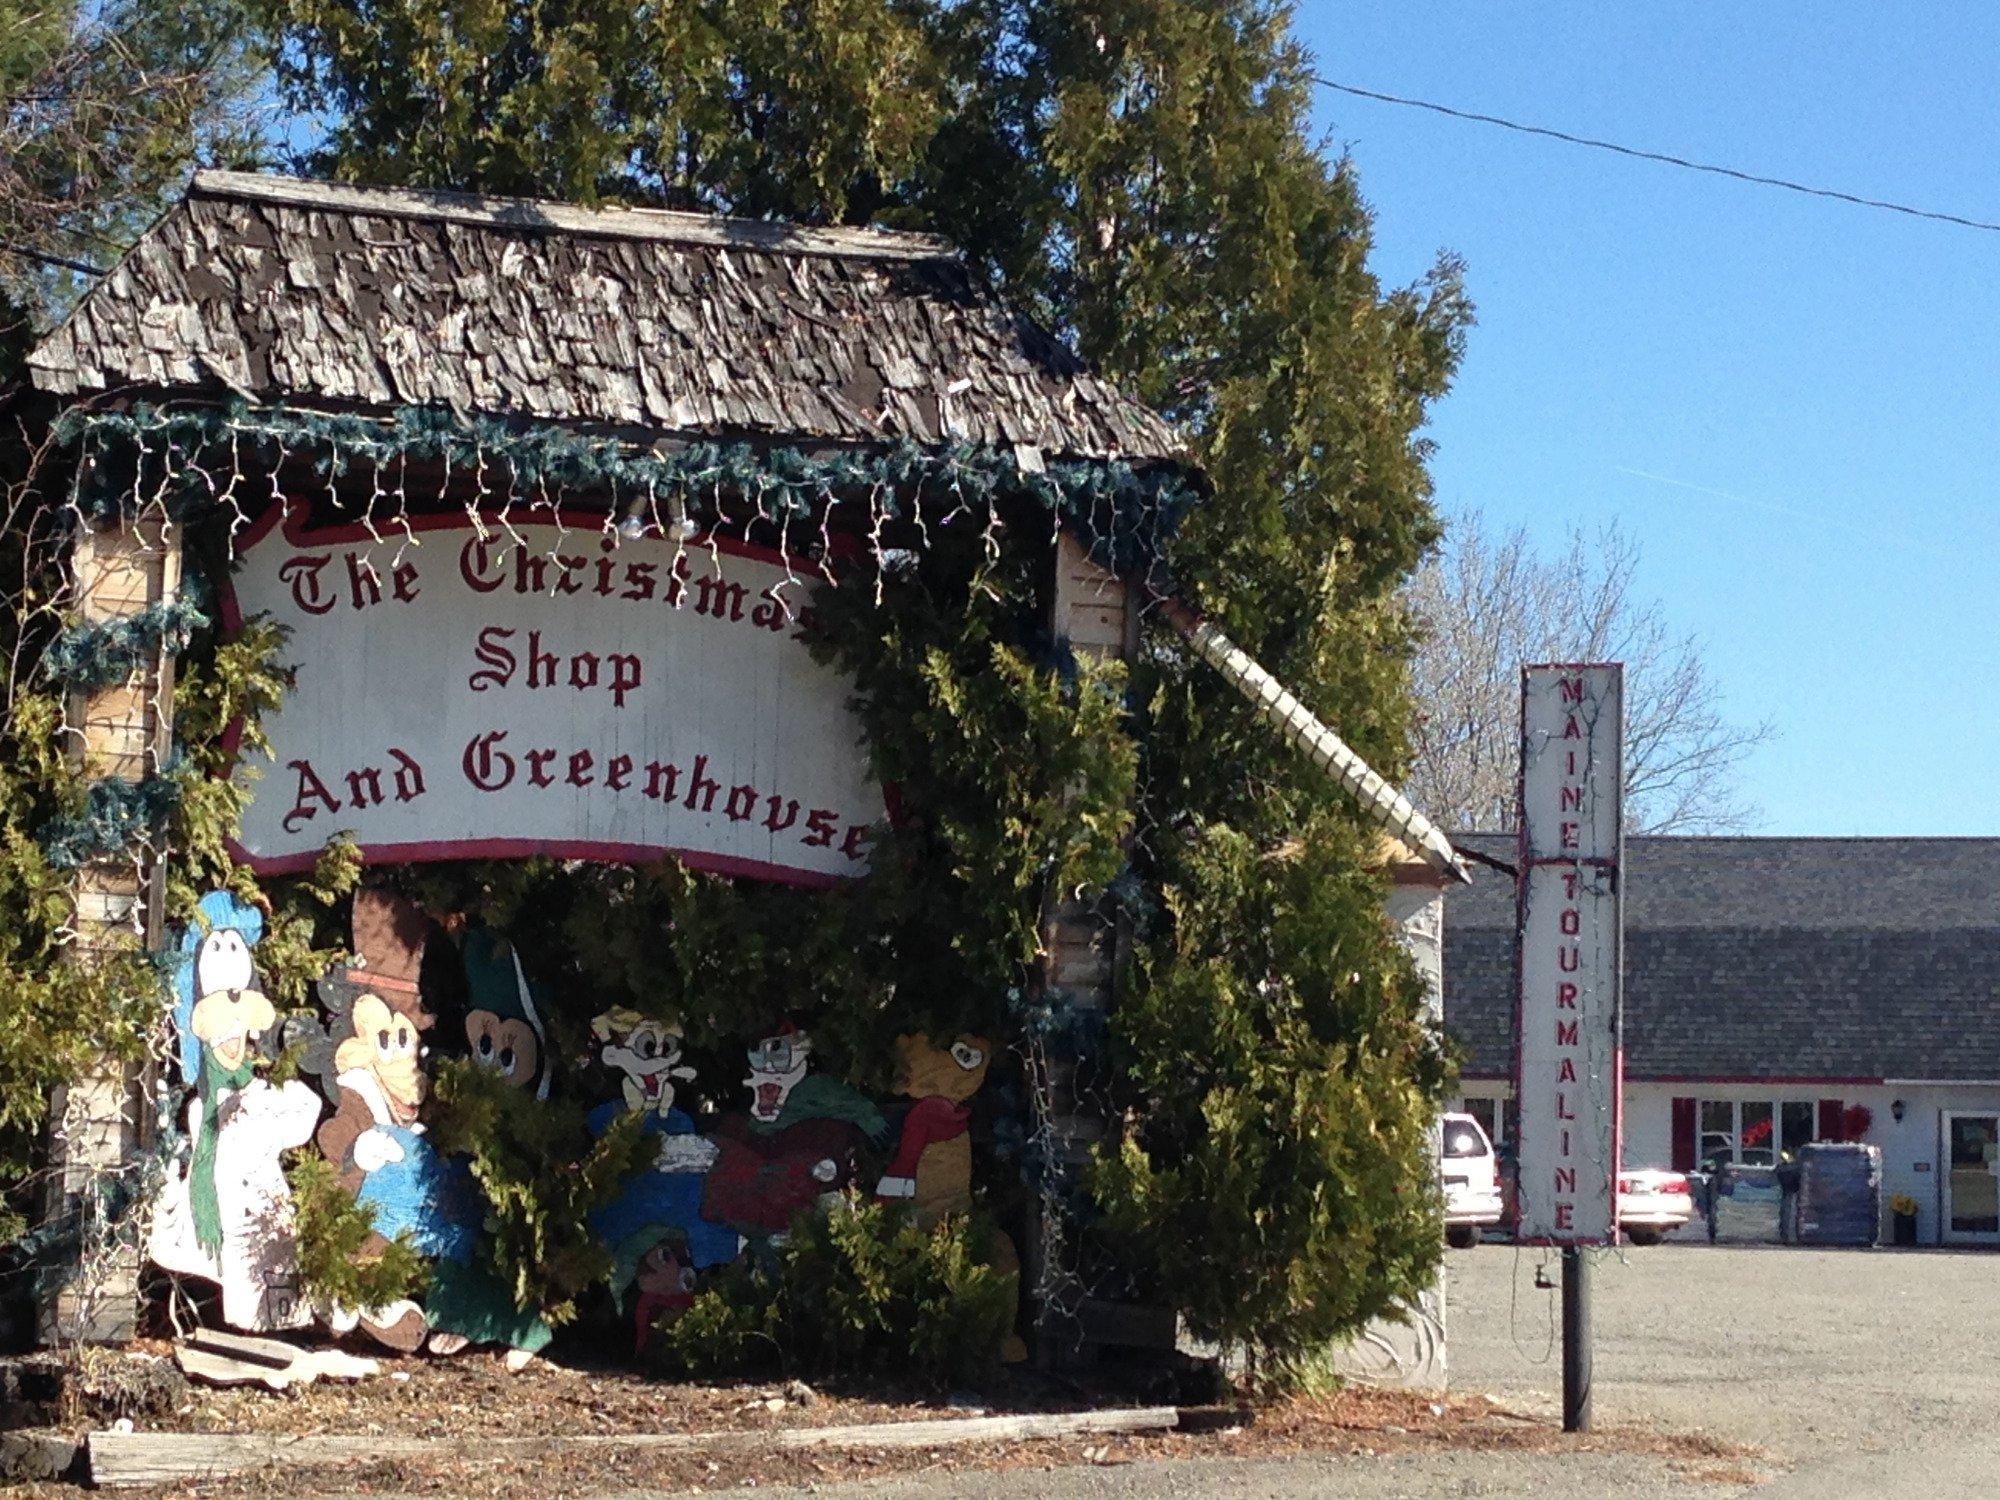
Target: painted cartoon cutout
{"x":657,"y":1214}
{"x":224,"y":1212}
{"x":503,"y":1027}
{"x":797,"y":1141}
{"x":468,"y":1303}
{"x":932,"y":1168}
{"x":369,"y":1060}
{"x":665,"y":1287}
{"x":645,"y":1054}
{"x":931,"y":1171}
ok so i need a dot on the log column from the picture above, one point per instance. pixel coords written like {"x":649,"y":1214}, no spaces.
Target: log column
{"x":1082,"y":949}
{"x":102,"y":1121}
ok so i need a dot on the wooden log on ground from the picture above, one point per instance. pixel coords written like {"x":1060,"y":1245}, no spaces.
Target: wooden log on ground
{"x":124,"y":1459}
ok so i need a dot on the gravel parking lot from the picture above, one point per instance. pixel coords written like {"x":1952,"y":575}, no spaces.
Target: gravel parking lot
{"x":1862,"y":1372}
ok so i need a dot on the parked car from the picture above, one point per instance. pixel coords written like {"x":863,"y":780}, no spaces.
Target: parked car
{"x":1471,"y":1181}
{"x":1653,"y":1203}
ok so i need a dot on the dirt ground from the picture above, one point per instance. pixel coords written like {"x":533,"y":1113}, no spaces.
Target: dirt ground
{"x":1356,"y":1426}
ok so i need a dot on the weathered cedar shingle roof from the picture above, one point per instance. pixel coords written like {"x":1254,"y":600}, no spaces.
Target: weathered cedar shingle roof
{"x":1768,"y":958}
{"x":682,"y":323}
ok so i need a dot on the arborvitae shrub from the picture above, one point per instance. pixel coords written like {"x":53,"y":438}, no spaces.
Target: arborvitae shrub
{"x":860,"y":1289}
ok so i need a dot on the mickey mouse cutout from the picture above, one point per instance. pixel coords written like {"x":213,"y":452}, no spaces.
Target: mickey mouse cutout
{"x":369,"y":1062}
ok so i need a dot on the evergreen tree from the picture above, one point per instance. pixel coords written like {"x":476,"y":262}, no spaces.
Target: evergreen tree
{"x":103,"y":108}
{"x":1140,"y":175}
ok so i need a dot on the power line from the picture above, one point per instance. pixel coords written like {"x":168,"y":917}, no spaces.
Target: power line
{"x":47,"y":259}
{"x":1661,"y":157}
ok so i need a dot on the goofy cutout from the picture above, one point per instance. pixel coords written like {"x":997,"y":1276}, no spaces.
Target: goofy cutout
{"x":224,"y":1213}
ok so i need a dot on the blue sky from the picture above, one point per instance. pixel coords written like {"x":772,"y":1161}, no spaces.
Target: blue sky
{"x":1791,"y":404}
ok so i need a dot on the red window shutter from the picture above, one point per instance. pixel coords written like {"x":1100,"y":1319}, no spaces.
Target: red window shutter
{"x":1830,"y":1111}
{"x":1684,"y":1141}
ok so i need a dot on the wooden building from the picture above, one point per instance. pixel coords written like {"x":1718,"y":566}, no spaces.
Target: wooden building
{"x":389,"y":365}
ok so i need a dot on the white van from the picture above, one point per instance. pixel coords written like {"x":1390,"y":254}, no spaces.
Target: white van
{"x":1471,"y":1180}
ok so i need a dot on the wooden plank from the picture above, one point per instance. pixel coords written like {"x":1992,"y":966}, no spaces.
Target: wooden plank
{"x":125,"y":1459}
{"x":536,"y":213}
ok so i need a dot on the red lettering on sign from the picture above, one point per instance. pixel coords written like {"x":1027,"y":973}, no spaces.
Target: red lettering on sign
{"x":409,"y":776}
{"x":1571,"y":921}
{"x":1566,"y":1034}
{"x":1565,"y":1179}
{"x":702,"y":787}
{"x":486,"y":765}
{"x":821,"y":825}
{"x":1565,"y":996}
{"x":774,"y":613}
{"x":500,"y":662}
{"x":791,"y":814}
{"x":474,"y":558}
{"x":1565,"y":1216}
{"x":1572,"y":690}
{"x":1563,"y":1111}
{"x":364,"y":584}
{"x":741,"y":806}
{"x":302,"y":573}
{"x":1566,"y":1071}
{"x":1572,"y":730}
{"x":311,"y":790}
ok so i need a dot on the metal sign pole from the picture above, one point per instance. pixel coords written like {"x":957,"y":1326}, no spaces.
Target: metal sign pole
{"x":1576,"y":1341}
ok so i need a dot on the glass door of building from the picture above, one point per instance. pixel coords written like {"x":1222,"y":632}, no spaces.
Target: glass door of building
{"x":1972,"y":1184}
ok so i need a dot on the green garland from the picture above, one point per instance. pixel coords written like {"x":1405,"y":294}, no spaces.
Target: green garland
{"x":97,"y":653}
{"x":1126,"y":514}
{"x":116,"y":817}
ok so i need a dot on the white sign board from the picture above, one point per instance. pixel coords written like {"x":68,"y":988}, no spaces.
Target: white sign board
{"x":519,"y":687}
{"x":1567,"y":1063}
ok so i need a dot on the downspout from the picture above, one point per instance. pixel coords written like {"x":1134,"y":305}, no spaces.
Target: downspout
{"x":1327,"y":750}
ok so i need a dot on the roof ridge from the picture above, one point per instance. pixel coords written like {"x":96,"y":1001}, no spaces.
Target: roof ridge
{"x":547,"y":214}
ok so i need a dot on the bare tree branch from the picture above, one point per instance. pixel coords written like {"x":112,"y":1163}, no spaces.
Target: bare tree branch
{"x":1487,"y":606}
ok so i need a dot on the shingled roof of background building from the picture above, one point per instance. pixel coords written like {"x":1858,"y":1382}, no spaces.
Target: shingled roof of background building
{"x":1777,"y":958}
{"x":280,"y":289}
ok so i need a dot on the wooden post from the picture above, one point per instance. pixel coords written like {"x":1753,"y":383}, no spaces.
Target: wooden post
{"x":1082,"y":947}
{"x":102,"y":1120}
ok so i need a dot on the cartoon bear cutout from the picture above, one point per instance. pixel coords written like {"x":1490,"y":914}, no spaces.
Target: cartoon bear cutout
{"x":224,"y":1212}
{"x":931,"y":1171}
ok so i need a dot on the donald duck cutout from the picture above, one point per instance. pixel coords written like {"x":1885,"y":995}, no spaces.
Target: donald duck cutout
{"x":225,"y":1213}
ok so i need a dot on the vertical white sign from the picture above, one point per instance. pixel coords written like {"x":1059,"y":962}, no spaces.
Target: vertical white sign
{"x":1567,"y":1059}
